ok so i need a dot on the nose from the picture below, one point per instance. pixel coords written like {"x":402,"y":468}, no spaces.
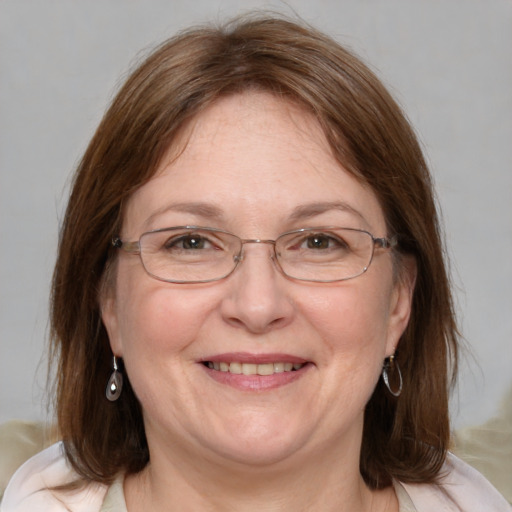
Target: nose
{"x":257,"y":298}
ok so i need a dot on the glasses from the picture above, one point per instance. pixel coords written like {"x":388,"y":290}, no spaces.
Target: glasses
{"x":194,"y":254}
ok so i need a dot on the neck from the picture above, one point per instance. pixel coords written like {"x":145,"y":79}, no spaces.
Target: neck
{"x":329,"y":482}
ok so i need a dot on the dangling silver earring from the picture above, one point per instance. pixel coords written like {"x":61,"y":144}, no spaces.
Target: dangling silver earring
{"x":391,"y":364}
{"x":115,"y":383}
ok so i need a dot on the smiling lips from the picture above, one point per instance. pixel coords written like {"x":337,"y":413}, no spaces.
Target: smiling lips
{"x":255,"y":372}
{"x":262,"y":369}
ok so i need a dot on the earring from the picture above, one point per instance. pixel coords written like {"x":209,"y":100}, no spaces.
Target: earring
{"x":115,"y":383}
{"x":391,"y":365}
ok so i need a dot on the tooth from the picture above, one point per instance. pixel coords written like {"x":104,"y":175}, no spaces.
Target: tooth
{"x":249,"y":369}
{"x":235,"y":368}
{"x":254,"y":369}
{"x":266,"y":369}
{"x":278,"y":367}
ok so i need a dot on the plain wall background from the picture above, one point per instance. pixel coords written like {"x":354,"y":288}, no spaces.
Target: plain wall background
{"x":448,"y":63}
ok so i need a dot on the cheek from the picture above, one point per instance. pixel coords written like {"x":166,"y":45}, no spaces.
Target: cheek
{"x":350,"y":318}
{"x":162,"y":330}
{"x":156,"y":318}
{"x":351,"y":324}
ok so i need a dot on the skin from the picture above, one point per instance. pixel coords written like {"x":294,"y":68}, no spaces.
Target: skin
{"x":254,"y":159}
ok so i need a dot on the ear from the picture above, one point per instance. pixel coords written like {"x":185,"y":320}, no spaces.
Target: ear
{"x":401,"y":302}
{"x":108,"y":307}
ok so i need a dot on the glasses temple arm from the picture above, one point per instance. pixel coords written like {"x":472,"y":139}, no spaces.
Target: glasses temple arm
{"x":130,"y":247}
{"x":386,"y":243}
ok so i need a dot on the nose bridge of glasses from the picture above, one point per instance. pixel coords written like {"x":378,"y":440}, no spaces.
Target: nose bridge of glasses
{"x":240,"y":257}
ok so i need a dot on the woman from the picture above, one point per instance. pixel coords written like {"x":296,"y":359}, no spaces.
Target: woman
{"x":251,"y":263}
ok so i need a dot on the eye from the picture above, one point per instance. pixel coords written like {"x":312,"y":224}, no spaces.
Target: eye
{"x":189,"y":242}
{"x":323,"y":241}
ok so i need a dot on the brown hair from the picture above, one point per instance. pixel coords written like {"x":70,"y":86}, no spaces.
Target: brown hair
{"x":403,"y":438}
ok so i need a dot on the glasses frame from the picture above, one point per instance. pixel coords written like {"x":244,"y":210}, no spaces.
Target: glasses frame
{"x":134,"y":247}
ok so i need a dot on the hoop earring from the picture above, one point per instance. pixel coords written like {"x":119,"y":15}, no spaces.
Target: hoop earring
{"x":115,"y":383}
{"x":391,"y":364}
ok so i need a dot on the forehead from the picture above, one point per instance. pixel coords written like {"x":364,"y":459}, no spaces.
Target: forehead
{"x":249,"y":155}
{"x":249,"y":123}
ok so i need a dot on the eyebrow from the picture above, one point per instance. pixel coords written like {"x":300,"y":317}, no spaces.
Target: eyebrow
{"x":198,"y":209}
{"x":210,"y":211}
{"x":307,"y":211}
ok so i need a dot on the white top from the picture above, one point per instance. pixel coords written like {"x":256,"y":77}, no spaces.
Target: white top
{"x":461,"y":489}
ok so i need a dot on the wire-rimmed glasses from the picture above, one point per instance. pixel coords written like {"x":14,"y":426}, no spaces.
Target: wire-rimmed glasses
{"x":195,"y":254}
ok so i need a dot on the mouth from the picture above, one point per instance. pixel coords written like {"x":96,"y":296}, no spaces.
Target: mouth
{"x":255,"y":372}
{"x":262,"y":369}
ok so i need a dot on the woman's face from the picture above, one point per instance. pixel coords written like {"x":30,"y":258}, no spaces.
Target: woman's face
{"x":256,"y":166}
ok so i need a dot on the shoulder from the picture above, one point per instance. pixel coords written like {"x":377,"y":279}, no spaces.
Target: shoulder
{"x":31,"y":489}
{"x":461,"y":488}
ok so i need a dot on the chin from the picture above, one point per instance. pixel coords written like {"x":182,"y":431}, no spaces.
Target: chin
{"x":257,"y":454}
{"x":257,"y":443}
